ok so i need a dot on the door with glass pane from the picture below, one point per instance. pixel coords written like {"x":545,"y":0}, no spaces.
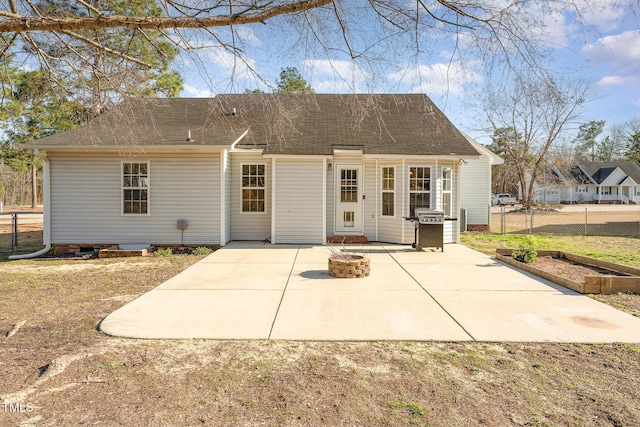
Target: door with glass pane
{"x":348,"y":217}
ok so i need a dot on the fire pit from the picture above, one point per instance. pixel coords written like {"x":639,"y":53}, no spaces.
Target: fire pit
{"x":349,"y":266}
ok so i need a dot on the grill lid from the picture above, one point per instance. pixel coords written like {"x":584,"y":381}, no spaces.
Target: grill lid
{"x":428,"y":213}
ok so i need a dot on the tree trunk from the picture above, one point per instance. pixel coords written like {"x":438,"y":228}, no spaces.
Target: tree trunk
{"x":34,"y":186}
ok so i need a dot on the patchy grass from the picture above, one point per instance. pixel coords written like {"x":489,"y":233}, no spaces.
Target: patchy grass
{"x":74,"y":375}
{"x":622,"y":250}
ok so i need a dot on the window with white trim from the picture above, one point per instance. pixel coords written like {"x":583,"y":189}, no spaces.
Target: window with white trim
{"x":447,"y":185}
{"x":388,"y":191}
{"x":582,"y":189}
{"x":419,"y":188}
{"x":135,"y":188}
{"x":253,"y":187}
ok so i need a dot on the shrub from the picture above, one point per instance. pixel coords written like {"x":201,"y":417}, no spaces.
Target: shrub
{"x":201,"y":250}
{"x":163,"y":252}
{"x":526,"y":255}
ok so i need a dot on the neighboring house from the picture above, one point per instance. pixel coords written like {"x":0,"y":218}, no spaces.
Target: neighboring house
{"x":287,"y":168}
{"x":592,"y":182}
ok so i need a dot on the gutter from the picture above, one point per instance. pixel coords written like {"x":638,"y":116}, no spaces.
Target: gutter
{"x":46,"y":199}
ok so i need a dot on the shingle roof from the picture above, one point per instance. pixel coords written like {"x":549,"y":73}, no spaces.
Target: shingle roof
{"x":279,"y":124}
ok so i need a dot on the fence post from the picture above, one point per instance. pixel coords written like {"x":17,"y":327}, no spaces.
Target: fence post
{"x":586,"y":221}
{"x":14,"y":236}
{"x":503,"y":222}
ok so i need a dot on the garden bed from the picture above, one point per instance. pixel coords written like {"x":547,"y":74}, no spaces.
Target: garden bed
{"x":579,"y":273}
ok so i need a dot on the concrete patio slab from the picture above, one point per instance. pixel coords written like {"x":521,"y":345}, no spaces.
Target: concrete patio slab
{"x":231,"y":275}
{"x":355,"y":315}
{"x":537,"y":316}
{"x":256,"y":291}
{"x":494,"y":276}
{"x":219,"y":314}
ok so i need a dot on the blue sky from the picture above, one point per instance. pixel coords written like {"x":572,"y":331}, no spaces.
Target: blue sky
{"x":605,"y":50}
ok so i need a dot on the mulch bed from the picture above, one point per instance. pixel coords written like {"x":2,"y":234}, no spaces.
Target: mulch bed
{"x":571,"y":270}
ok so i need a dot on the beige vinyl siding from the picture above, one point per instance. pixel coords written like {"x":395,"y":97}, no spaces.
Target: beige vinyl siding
{"x":249,"y":225}
{"x":298,"y":201}
{"x":86,"y":199}
{"x":227,"y":216}
{"x":475,"y":189}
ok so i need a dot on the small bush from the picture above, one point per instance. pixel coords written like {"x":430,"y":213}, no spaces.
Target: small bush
{"x":201,"y":250}
{"x":526,"y":255}
{"x":163,"y":252}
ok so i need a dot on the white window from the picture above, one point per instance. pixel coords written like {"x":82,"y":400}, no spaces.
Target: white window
{"x":388,"y":191}
{"x":135,"y":188}
{"x":582,"y":189}
{"x":253,"y":185}
{"x":419,"y":188}
{"x":447,"y":185}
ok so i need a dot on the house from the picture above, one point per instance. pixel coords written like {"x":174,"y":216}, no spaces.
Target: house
{"x":592,"y":182}
{"x":287,"y":168}
{"x":475,"y":193}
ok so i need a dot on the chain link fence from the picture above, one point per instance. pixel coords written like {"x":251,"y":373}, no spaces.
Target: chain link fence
{"x":572,"y":220}
{"x":21,"y":231}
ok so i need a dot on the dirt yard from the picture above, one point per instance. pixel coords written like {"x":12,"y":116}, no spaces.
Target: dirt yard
{"x":58,"y":370}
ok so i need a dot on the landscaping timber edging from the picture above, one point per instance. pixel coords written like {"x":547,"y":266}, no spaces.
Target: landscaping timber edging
{"x":597,"y":284}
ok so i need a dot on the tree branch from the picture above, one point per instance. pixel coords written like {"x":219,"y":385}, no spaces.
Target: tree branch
{"x":17,"y":23}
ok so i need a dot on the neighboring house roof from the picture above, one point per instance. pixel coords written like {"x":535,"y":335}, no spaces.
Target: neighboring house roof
{"x":601,"y":170}
{"x":298,"y":124}
{"x":595,"y":173}
{"x":580,"y":176}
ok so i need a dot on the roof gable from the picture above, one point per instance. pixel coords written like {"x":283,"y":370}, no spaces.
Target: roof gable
{"x":602,"y":170}
{"x":277,"y":124}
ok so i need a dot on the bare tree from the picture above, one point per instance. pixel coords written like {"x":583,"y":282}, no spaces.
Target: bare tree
{"x":536,"y":113}
{"x":498,"y":33}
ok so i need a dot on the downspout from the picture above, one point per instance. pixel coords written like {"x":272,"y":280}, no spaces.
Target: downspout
{"x":233,"y":146}
{"x":46,"y":201}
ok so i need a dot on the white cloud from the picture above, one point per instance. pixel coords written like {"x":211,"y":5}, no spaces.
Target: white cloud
{"x":235,"y":66}
{"x":336,"y":76}
{"x":603,"y":14}
{"x":610,"y":81}
{"x":247,"y":35}
{"x":548,"y":25}
{"x":437,"y":79}
{"x":620,"y":51}
{"x":189,"y":91}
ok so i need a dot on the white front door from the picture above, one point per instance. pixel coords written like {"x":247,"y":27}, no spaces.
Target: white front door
{"x":348,"y":196}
